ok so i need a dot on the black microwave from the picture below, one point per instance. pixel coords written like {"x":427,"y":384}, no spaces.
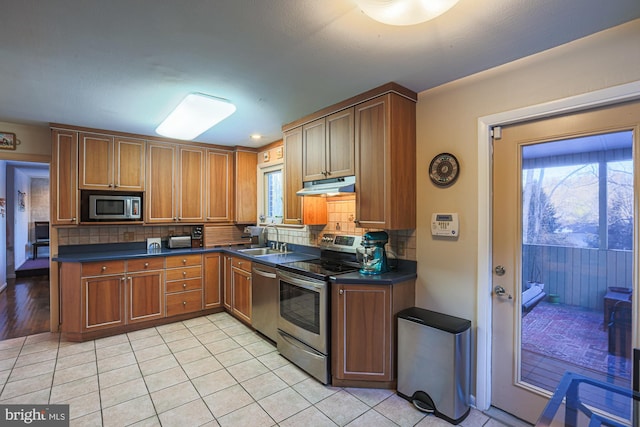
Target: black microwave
{"x":111,"y":206}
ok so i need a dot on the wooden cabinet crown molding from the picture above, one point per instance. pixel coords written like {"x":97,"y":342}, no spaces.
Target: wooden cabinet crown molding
{"x":391,"y":87}
{"x":150,"y":138}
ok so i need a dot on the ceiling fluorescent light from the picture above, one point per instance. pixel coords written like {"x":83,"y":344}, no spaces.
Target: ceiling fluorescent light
{"x":404,"y":12}
{"x":194,"y":115}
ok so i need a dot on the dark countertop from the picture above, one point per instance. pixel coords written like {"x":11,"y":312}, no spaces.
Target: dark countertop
{"x":119,"y":251}
{"x":406,"y":270}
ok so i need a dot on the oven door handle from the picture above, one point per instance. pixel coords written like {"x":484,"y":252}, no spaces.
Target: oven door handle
{"x":306,"y":284}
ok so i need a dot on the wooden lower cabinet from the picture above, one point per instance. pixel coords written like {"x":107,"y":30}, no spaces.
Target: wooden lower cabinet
{"x":99,"y":299}
{"x":184,"y":302}
{"x":242,"y":293}
{"x":212,"y":275}
{"x":145,"y":295}
{"x":183,"y":284}
{"x":103,"y":302}
{"x":364,"y":332}
{"x":237,"y":288}
{"x":227,"y":296}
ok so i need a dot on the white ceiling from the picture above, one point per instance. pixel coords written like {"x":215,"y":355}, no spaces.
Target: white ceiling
{"x":123,"y":65}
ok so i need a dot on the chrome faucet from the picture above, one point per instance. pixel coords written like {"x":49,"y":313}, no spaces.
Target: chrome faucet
{"x":277,"y":236}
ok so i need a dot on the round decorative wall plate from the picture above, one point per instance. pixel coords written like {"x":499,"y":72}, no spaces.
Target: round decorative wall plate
{"x":444,"y":169}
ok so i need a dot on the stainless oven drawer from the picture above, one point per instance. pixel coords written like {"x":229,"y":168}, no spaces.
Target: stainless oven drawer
{"x":314,"y":363}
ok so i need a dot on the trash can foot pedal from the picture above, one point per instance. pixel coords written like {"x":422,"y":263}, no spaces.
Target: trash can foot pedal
{"x":423,"y":402}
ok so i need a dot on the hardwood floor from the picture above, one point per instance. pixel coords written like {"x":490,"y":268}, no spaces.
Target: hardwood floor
{"x":24,"y":307}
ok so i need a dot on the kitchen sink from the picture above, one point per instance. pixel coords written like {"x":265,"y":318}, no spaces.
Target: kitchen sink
{"x":261,"y":251}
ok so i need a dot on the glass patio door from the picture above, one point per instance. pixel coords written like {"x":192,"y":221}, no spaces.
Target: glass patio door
{"x":564,"y":196}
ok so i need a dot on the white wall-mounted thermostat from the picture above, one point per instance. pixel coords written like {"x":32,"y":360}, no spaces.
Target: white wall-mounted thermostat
{"x":444,"y":224}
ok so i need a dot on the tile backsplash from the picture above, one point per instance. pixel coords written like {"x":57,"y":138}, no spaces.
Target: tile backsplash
{"x":99,"y":234}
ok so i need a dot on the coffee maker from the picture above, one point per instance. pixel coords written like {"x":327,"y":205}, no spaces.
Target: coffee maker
{"x":371,"y":253}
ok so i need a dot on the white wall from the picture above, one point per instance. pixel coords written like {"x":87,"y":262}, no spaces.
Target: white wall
{"x":3,"y":225}
{"x":447,"y":118}
{"x":21,"y":246}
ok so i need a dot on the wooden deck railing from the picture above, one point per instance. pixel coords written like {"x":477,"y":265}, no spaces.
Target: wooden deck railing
{"x":579,"y":276}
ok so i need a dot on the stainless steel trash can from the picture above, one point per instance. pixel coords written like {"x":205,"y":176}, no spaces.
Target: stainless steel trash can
{"x":434,"y":362}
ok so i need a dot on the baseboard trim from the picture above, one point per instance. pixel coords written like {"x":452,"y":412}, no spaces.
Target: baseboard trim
{"x":3,"y":286}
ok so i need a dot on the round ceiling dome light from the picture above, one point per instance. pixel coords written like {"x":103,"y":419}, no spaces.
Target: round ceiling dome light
{"x":404,"y":12}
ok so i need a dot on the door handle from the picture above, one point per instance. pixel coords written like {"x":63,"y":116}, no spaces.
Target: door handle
{"x":500,"y":291}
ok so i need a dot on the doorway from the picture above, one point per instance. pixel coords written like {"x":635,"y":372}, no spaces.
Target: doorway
{"x":25,"y":299}
{"x":561,"y":252}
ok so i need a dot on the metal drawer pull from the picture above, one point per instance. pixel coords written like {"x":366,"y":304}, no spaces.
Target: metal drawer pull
{"x":146,"y":264}
{"x":104,"y":267}
{"x":184,"y":285}
{"x":184,"y":303}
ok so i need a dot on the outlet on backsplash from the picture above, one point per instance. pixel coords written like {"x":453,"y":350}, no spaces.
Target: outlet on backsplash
{"x":129,"y":236}
{"x":401,"y":248}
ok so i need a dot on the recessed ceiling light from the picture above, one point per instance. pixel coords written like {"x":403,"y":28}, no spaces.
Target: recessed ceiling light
{"x":404,"y":12}
{"x":195,"y":114}
{"x":255,"y":136}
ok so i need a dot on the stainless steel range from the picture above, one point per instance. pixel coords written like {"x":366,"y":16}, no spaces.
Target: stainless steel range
{"x":303,"y":306}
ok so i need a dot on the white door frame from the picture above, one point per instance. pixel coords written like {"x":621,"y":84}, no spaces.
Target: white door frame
{"x":612,"y":95}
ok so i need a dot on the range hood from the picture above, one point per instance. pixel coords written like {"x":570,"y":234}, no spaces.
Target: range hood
{"x":329,"y":187}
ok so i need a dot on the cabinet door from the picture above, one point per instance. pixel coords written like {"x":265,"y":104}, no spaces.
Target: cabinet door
{"x":64,"y":173}
{"x":161,"y":175}
{"x":228,"y":296}
{"x":241,"y":288}
{"x":362,"y":343}
{"x":145,"y":295}
{"x":96,"y":162}
{"x":103,"y":302}
{"x":340,"y":144}
{"x":128,"y":167}
{"x":385,"y":134}
{"x":219,"y":186}
{"x":314,"y":164}
{"x":212,"y":269}
{"x":292,"y":176}
{"x":191,"y":188}
{"x":246,"y":187}
{"x":371,"y":152}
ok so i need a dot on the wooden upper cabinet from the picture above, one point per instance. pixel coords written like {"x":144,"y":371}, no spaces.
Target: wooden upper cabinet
{"x":219,"y":186}
{"x":111,"y":163}
{"x":191,"y":184}
{"x":96,"y":162}
{"x":313,"y":150}
{"x":328,"y":146}
{"x":159,"y":204}
{"x":292,"y":176}
{"x":64,"y":177}
{"x":340,"y":156}
{"x":246,"y":187}
{"x":128,"y":167}
{"x":175,"y":183}
{"x":385,"y":136}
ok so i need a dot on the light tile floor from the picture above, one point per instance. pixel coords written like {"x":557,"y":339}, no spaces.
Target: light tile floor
{"x":210,"y":370}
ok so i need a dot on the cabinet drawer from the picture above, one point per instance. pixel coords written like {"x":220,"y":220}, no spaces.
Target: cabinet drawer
{"x":183,"y":260}
{"x":184,"y":273}
{"x":184,"y":285}
{"x":241,"y":263}
{"x":145,"y":264}
{"x":102,"y":268}
{"x":184,"y":302}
